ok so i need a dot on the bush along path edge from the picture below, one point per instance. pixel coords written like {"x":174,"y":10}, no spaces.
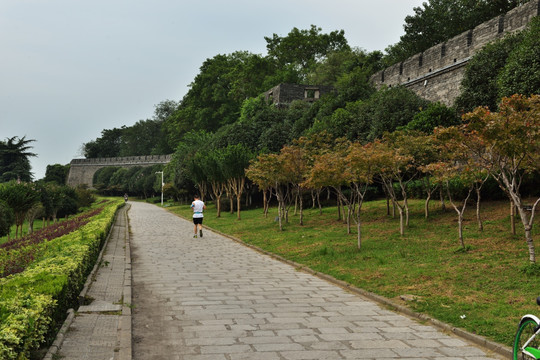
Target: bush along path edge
{"x":34,"y":302}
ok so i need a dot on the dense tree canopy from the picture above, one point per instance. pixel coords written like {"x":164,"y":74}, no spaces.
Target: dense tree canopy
{"x":56,"y":173}
{"x":303,"y":49}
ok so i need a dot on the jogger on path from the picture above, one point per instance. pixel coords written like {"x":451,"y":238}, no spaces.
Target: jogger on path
{"x":198,"y":207}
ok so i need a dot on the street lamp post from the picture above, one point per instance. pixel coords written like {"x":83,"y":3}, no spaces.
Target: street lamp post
{"x":161,"y":172}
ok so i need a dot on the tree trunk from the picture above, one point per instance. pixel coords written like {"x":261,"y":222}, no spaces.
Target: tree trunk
{"x":426,"y":205}
{"x":349,"y":214}
{"x":359,"y":240}
{"x":218,"y":205}
{"x":512,"y":217}
{"x":319,"y":201}
{"x":401,"y":221}
{"x":238,"y":204}
{"x":301,"y":204}
{"x":443,"y":205}
{"x":478,"y":218}
{"x":339,"y":208}
{"x":530,"y":245}
{"x":528,"y":221}
{"x":265,"y":204}
{"x":406,"y":206}
{"x":460,"y":230}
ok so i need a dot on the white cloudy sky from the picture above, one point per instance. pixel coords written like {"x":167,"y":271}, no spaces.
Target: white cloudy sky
{"x":71,"y":68}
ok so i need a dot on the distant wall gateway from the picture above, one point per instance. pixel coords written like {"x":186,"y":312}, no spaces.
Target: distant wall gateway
{"x":436,"y":73}
{"x":81,"y":171}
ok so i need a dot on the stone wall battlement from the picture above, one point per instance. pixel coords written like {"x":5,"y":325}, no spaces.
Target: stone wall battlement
{"x":436,"y":73}
{"x":119,"y":161}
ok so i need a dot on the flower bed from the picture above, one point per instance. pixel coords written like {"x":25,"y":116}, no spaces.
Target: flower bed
{"x":34,"y":300}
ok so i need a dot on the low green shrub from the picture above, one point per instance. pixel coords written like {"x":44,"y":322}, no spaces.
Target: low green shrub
{"x":35,"y":301}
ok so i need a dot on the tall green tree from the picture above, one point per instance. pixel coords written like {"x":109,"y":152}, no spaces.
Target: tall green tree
{"x":433,"y":116}
{"x":56,"y":173}
{"x":217,"y":93}
{"x":140,"y":139}
{"x":14,"y":159}
{"x":302,"y":49}
{"x":108,"y":145}
{"x":236,"y":160}
{"x":337,"y":64}
{"x":388,"y":109}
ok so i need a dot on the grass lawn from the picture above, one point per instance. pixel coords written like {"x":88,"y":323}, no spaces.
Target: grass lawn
{"x":483,"y":290}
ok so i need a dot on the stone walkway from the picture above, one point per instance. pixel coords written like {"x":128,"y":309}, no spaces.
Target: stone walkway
{"x":101,"y":330}
{"x":211,"y":298}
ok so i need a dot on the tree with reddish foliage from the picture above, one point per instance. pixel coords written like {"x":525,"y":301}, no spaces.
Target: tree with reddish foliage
{"x":362,"y":163}
{"x":267,"y":171}
{"x":457,"y":172}
{"x":510,"y":140}
{"x":395,"y":165}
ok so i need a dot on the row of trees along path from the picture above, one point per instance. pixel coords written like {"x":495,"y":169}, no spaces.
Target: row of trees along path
{"x":503,"y":144}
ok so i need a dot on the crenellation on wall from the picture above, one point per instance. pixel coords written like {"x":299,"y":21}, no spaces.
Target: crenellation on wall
{"x":81,"y":171}
{"x":436,"y":73}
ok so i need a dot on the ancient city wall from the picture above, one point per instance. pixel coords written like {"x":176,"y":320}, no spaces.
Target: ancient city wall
{"x":81,"y":171}
{"x":436,"y":73}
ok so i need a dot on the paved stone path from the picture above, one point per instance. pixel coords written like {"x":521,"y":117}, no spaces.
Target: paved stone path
{"x":211,"y":298}
{"x":101,"y":330}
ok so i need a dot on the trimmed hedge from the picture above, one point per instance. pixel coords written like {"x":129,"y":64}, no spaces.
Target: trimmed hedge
{"x":35,"y":301}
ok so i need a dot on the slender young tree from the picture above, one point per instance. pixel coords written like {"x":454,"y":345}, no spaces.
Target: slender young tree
{"x":510,"y":149}
{"x":236,"y":159}
{"x":395,"y":166}
{"x":363,"y":165}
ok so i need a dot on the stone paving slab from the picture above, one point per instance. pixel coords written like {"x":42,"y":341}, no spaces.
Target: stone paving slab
{"x":212,"y":298}
{"x":97,"y":331}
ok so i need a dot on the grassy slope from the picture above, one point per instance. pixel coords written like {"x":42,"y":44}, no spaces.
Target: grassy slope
{"x":485,"y":284}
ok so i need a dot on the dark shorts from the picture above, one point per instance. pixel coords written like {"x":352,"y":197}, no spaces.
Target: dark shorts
{"x":197,"y":220}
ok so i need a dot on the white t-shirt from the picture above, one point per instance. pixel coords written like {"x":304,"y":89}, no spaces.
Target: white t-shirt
{"x":198,"y":207}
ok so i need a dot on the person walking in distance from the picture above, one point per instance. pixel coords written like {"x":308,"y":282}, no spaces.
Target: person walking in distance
{"x":198,"y":207}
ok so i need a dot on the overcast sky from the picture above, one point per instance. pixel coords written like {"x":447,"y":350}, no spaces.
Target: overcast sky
{"x":71,"y":68}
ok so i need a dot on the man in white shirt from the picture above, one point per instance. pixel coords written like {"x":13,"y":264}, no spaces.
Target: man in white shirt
{"x":198,"y":207}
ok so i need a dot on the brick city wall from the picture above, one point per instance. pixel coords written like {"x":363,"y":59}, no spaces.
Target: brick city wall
{"x":436,"y":73}
{"x":81,"y":171}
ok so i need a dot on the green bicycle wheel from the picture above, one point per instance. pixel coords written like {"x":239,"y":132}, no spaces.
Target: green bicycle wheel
{"x":525,"y":331}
